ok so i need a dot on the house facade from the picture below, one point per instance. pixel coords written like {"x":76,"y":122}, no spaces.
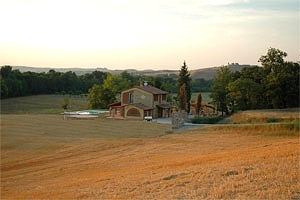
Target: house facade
{"x":141,"y":101}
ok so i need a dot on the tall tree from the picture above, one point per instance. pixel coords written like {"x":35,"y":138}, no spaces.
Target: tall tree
{"x":220,"y":90}
{"x":5,"y":71}
{"x":244,"y":93}
{"x":199,"y":104}
{"x":185,"y":79}
{"x":182,"y":98}
{"x":3,"y":89}
{"x":292,"y":82}
{"x":282,"y":79}
{"x":115,"y":83}
{"x":100,"y":97}
{"x":273,"y":60}
{"x":94,"y":97}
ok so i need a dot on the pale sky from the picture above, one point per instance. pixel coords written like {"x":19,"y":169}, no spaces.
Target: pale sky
{"x":140,"y":34}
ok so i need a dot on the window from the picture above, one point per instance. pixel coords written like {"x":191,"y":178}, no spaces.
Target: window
{"x":155,"y":97}
{"x":164,"y":97}
{"x":130,"y":98}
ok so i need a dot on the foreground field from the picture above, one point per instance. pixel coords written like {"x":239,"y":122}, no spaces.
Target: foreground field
{"x":45,"y":157}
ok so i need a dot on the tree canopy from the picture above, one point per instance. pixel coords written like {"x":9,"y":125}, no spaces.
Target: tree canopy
{"x":274,"y":85}
{"x":14,"y":83}
{"x":100,"y":97}
{"x":220,"y":89}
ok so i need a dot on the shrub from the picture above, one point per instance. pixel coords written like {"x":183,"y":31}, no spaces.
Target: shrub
{"x":206,"y":120}
{"x":273,"y":120}
{"x":295,"y":125}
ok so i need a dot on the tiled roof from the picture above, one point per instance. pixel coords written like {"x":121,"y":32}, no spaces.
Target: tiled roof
{"x":115,"y":104}
{"x":151,"y":89}
{"x":141,"y":106}
{"x":164,"y":105}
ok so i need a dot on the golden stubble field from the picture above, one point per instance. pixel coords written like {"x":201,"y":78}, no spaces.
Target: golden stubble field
{"x":45,"y":157}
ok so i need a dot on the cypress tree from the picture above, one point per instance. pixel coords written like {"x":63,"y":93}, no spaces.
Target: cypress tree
{"x":199,"y":104}
{"x":182,"y":98}
{"x":184,"y":78}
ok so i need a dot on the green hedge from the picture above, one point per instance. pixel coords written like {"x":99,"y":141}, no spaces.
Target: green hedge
{"x":206,"y":120}
{"x":273,"y":120}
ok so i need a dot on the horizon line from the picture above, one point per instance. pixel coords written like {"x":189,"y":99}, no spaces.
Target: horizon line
{"x":118,"y":69}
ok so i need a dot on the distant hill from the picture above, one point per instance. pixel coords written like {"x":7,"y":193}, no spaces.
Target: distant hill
{"x":205,"y":73}
{"x":209,"y":73}
{"x":78,"y":71}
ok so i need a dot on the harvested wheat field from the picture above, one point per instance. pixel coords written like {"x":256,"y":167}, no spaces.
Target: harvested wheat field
{"x":45,"y":157}
{"x":265,"y":116}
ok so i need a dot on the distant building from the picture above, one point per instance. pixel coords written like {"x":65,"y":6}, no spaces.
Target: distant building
{"x":205,"y":110}
{"x":141,"y":101}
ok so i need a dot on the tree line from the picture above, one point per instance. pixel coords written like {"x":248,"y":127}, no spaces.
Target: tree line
{"x":15,"y":83}
{"x":274,"y":85}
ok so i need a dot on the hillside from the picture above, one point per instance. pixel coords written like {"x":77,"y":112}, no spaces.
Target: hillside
{"x":205,"y":73}
{"x":209,"y":73}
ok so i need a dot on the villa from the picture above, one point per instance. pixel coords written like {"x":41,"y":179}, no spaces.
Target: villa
{"x":140,"y":102}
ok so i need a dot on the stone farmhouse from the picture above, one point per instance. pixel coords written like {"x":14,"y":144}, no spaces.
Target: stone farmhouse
{"x":140,"y":102}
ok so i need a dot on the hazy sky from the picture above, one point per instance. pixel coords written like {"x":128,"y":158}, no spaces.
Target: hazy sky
{"x":153,"y":34}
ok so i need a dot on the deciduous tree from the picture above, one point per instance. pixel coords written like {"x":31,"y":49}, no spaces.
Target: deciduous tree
{"x":100,"y":97}
{"x":220,"y":89}
{"x":282,"y":79}
{"x":244,"y":93}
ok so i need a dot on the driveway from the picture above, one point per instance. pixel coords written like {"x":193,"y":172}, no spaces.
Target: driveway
{"x":163,"y":120}
{"x":184,"y":127}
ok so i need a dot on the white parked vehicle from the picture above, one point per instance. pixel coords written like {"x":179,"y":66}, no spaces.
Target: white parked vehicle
{"x":148,"y":118}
